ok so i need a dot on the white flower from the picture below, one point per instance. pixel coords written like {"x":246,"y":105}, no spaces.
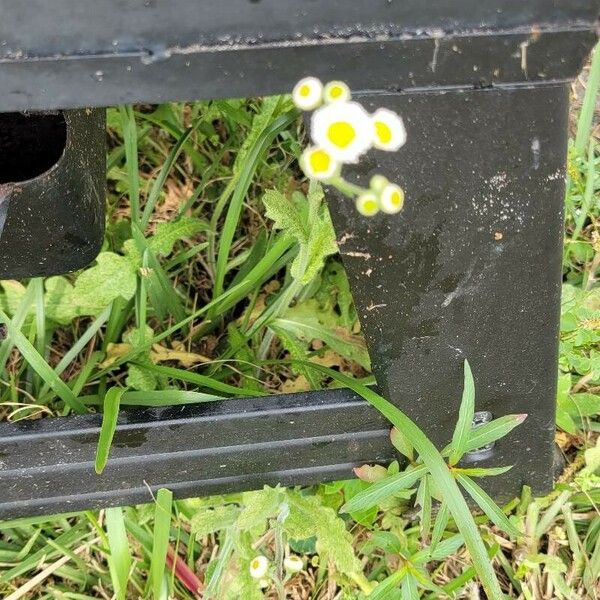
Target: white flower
{"x":344,"y":129}
{"x":388,"y":130}
{"x":317,"y":163}
{"x":293,"y":564}
{"x":367,"y":204}
{"x":259,"y":566}
{"x":308,"y":93}
{"x":336,"y":91}
{"x":392,"y":199}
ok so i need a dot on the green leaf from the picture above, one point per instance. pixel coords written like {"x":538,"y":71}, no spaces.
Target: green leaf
{"x":160,"y":539}
{"x":385,"y":488}
{"x":110,"y":414}
{"x":439,"y":527}
{"x":483,"y":471}
{"x":113,"y":276}
{"x":119,"y":559}
{"x":258,"y":507}
{"x":465,"y":418}
{"x":211,"y":520}
{"x":487,"y":505}
{"x":315,"y":234}
{"x":309,"y":517}
{"x":485,"y":434}
{"x":170,"y":232}
{"x":385,"y":587}
{"x":402,"y":444}
{"x":41,"y":367}
{"x":139,"y":378}
{"x":302,"y":322}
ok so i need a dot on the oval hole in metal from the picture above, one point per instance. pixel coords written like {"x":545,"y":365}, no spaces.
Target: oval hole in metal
{"x":30,"y":144}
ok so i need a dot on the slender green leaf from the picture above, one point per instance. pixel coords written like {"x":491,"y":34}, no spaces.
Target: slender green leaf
{"x":160,"y":539}
{"x":586,"y":116}
{"x":383,"y":489}
{"x":487,"y":505}
{"x":120,"y":554}
{"x":41,"y":367}
{"x":465,"y":418}
{"x":485,"y":434}
{"x":112,"y":401}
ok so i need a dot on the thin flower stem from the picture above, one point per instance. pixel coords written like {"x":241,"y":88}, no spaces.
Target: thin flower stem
{"x":348,"y":189}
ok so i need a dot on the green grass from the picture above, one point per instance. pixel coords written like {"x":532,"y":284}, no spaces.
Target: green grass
{"x":204,"y":290}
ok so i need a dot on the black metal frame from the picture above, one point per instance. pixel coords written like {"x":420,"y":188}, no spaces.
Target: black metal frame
{"x":470,"y":269}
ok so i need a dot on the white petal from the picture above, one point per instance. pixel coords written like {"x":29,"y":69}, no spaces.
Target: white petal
{"x":259,"y":566}
{"x":367,"y":204}
{"x":388,"y":122}
{"x":392,"y":199}
{"x":310,"y":169}
{"x":336,"y":91}
{"x":308,"y":93}
{"x":353,"y":119}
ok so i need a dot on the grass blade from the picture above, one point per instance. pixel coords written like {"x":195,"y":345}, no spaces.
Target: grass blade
{"x":485,"y":434}
{"x":120,"y":555}
{"x":586,"y":116}
{"x":255,"y":155}
{"x":41,"y":367}
{"x":465,"y":418}
{"x":487,"y":505}
{"x":112,"y":401}
{"x":383,"y":489}
{"x":160,"y":541}
{"x":131,"y":160}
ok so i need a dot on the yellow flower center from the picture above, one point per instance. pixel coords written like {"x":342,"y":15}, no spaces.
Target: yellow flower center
{"x":341,"y":134}
{"x":319,"y":161}
{"x":396,"y":198}
{"x":336,"y":91}
{"x":255,"y":563}
{"x":304,"y":90}
{"x":370,"y":206}
{"x":383,"y":132}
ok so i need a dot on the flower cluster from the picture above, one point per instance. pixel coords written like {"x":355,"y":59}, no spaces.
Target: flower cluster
{"x":342,"y":131}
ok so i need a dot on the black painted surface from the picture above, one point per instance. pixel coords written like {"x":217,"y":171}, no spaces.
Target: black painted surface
{"x":48,"y":465}
{"x":471,"y":268}
{"x":73,"y":53}
{"x":52,"y":214}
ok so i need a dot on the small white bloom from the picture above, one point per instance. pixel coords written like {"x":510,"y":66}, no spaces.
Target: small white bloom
{"x":392,"y":199}
{"x":317,"y":163}
{"x":264,"y":583}
{"x":308,"y":93}
{"x":336,"y":91}
{"x":378,"y":183}
{"x":293,"y":564}
{"x":344,"y":129}
{"x":367,"y":204}
{"x":388,"y":130}
{"x":259,"y":566}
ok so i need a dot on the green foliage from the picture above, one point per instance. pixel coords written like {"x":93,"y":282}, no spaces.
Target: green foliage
{"x":307,"y":221}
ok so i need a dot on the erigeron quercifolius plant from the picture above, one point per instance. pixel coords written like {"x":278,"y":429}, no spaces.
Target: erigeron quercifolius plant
{"x":342,"y":131}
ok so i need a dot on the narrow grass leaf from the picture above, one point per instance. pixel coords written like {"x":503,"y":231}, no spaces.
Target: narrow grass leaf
{"x":439,"y":526}
{"x":586,"y":116}
{"x":385,"y":588}
{"x":41,"y":367}
{"x":120,"y":554}
{"x":383,"y":489}
{"x":112,"y":401}
{"x":465,"y":417}
{"x":487,"y":505}
{"x":401,"y":442}
{"x":487,"y":433}
{"x":160,"y":540}
{"x":482,"y":471}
